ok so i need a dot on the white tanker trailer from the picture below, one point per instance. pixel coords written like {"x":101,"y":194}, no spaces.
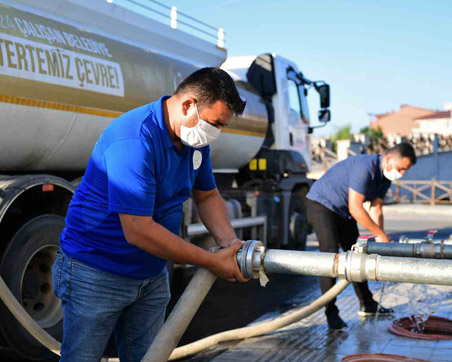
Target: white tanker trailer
{"x":67,"y":69}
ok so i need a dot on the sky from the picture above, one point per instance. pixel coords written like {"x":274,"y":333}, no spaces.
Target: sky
{"x":376,"y":55}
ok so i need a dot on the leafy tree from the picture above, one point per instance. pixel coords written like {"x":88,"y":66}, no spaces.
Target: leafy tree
{"x":342,"y":133}
{"x":373,"y":134}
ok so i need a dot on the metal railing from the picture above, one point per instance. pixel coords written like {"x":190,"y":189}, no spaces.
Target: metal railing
{"x":258,"y":223}
{"x":324,"y":158}
{"x":175,"y":18}
{"x":420,"y":192}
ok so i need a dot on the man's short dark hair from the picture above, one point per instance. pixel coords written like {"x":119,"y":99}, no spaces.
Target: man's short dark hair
{"x":402,"y":150}
{"x":210,"y":85}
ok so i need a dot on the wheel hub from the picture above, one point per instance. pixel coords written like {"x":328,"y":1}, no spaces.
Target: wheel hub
{"x":37,"y":296}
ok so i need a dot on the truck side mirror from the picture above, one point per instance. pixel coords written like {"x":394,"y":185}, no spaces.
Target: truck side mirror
{"x":324,"y":93}
{"x":323,"y":90}
{"x":324,"y":115}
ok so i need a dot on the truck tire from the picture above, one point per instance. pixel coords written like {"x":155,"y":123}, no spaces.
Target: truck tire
{"x":298,"y":222}
{"x":26,"y":268}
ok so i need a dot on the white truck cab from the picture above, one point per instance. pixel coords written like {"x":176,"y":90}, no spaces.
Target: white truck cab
{"x":290,"y":127}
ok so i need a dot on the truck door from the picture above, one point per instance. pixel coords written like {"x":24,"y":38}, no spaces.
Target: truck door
{"x":298,"y":116}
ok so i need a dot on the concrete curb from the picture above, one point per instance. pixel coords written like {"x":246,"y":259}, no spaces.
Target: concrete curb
{"x":413,"y":209}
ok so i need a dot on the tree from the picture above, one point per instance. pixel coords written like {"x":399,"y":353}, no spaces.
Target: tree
{"x":343,"y":133}
{"x":377,"y":142}
{"x":373,"y":134}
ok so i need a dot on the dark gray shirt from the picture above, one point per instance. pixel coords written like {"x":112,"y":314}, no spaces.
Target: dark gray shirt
{"x":362,"y":173}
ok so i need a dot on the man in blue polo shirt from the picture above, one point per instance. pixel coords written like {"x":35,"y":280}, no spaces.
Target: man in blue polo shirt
{"x":124,"y":219}
{"x":335,"y":205}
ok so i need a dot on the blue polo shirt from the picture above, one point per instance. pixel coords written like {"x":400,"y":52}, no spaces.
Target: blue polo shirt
{"x":362,"y":173}
{"x":134,"y":169}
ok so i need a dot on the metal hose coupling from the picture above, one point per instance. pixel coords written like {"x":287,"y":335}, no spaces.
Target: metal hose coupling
{"x":251,"y":258}
{"x":357,"y":267}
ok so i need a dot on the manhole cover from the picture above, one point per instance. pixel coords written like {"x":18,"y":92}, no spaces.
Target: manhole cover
{"x":379,"y":357}
{"x":436,"y":328}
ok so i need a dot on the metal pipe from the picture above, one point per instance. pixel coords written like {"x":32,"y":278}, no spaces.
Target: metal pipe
{"x":352,"y":266}
{"x":357,"y":267}
{"x":413,"y":270}
{"x":438,"y":250}
{"x":299,"y":262}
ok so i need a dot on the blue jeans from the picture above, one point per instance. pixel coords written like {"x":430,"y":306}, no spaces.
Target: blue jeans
{"x":96,"y":304}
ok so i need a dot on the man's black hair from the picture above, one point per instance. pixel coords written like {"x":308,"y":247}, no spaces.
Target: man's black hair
{"x":402,"y":150}
{"x":210,"y":85}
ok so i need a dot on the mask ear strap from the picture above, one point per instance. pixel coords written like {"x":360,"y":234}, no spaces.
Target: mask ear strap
{"x":197,"y":112}
{"x":184,"y":117}
{"x":393,"y":165}
{"x":389,"y":162}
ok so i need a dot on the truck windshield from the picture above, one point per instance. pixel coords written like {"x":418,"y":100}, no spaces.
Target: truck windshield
{"x":296,"y":116}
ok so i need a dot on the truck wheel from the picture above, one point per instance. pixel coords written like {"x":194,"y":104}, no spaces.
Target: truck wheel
{"x":298,"y":223}
{"x":26,"y":268}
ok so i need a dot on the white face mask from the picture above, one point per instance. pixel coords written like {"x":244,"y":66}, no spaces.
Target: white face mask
{"x":201,"y":135}
{"x":393,"y":174}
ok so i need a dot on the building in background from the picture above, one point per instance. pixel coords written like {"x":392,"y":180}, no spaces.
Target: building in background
{"x":437,"y":122}
{"x":401,"y":122}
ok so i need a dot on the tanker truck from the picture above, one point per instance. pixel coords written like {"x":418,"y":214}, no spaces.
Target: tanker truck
{"x":70,"y":67}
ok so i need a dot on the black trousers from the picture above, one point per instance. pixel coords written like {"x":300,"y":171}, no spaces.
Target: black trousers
{"x":332,"y":231}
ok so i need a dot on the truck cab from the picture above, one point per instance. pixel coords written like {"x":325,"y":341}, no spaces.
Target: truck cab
{"x":277,"y":170}
{"x":284,"y":90}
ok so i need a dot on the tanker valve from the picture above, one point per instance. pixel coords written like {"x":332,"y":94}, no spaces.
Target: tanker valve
{"x":361,"y":243}
{"x":430,"y":235}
